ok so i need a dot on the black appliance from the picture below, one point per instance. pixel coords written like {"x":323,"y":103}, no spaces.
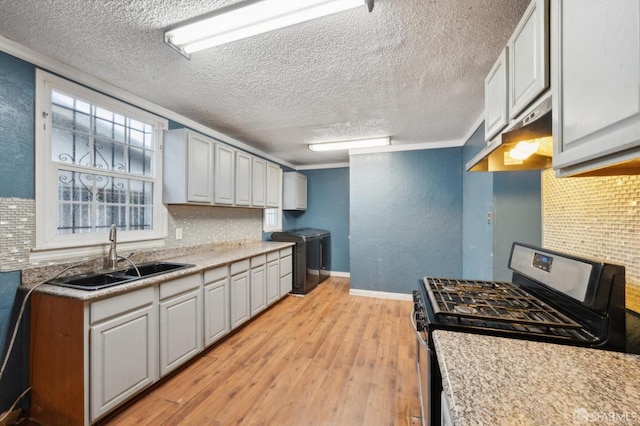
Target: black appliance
{"x":553,"y":297}
{"x":311,"y":256}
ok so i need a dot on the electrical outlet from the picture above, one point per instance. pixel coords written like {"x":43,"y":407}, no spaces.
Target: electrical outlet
{"x":178,"y":233}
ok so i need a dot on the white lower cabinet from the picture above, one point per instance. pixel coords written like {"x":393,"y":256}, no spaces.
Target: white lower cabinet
{"x":180,"y":321}
{"x":116,"y":347}
{"x":445,"y":411}
{"x":217,"y":322}
{"x":273,"y":277}
{"x":286,"y":271}
{"x":240,"y":293}
{"x":123,"y":348}
{"x":258,"y":284}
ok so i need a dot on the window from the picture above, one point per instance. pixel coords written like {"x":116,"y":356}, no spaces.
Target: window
{"x":98,"y":163}
{"x":272,"y":220}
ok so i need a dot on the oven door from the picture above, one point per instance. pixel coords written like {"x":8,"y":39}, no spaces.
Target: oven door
{"x":423,"y":367}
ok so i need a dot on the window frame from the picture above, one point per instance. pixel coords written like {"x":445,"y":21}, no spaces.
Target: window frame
{"x":48,"y":243}
{"x":278,"y":226}
{"x":265,"y":225}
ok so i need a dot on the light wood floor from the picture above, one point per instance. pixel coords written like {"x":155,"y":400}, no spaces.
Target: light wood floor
{"x":324,"y":359}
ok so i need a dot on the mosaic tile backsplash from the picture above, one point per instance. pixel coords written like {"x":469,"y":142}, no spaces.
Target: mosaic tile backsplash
{"x":597,"y":218}
{"x":17,"y":232}
{"x":207,"y":225}
{"x":200,"y":225}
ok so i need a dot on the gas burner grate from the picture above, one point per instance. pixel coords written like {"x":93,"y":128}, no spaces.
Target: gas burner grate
{"x":492,"y":301}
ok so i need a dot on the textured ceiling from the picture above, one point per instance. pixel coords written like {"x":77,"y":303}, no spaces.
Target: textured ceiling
{"x":412,"y":69}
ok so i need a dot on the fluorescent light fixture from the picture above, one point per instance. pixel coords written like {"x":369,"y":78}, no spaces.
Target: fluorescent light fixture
{"x":524,"y":149}
{"x":362,"y":143}
{"x":252,"y":19}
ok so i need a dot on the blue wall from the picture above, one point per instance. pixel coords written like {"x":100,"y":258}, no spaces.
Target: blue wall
{"x":406,"y":218}
{"x":328,"y":208}
{"x":477,"y":235}
{"x":17,"y":87}
{"x":517,"y":216}
{"x":515,"y":202}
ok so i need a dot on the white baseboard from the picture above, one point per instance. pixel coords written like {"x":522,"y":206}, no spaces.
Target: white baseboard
{"x":340,"y":274}
{"x":380,"y":294}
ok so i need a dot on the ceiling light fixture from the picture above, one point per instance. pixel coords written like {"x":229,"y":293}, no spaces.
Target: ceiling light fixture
{"x":362,"y":143}
{"x":249,"y":20}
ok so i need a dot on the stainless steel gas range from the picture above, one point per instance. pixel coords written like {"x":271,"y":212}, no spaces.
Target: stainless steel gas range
{"x":553,"y":297}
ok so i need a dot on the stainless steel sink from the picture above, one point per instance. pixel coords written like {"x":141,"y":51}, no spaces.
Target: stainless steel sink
{"x":97,"y":281}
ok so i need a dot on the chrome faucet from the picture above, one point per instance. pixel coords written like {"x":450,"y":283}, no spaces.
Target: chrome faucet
{"x":112,"y":259}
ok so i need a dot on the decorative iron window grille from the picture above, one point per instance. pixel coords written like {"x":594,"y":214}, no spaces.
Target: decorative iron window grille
{"x":105,"y":167}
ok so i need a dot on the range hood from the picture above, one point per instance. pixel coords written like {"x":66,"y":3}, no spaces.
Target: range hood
{"x":503,"y":153}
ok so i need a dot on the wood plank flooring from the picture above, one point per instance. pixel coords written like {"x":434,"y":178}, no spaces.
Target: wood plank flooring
{"x":324,"y":359}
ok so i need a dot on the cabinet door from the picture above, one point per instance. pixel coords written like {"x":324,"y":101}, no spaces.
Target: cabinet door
{"x":273,"y":281}
{"x":286,"y":275}
{"x":240,"y":302}
{"x":258,"y":289}
{"x":495,"y":97}
{"x":445,"y":411}
{"x":224,"y":174}
{"x":244,"y":184}
{"x":216,"y":310}
{"x":301,"y":192}
{"x":528,"y":57}
{"x":286,"y":285}
{"x":123,"y":358}
{"x":259,"y":183}
{"x":596,"y":80}
{"x":199,"y":169}
{"x":180,"y":329}
{"x":273,"y":185}
{"x":294,"y":191}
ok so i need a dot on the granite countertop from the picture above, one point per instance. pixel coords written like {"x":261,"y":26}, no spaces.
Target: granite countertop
{"x":500,"y":381}
{"x":210,"y":258}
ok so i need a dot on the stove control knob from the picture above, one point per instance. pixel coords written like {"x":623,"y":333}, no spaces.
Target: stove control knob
{"x":416,"y":296}
{"x":420,"y":321}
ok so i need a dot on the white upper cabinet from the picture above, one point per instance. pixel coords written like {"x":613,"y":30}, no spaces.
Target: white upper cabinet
{"x":529,"y":57}
{"x":201,"y":170}
{"x":495,"y":97}
{"x":244,"y":184}
{"x":259,"y":183}
{"x":224,"y":174}
{"x":294,"y":191}
{"x":188,"y":171}
{"x":596,"y":86}
{"x":274,"y":174}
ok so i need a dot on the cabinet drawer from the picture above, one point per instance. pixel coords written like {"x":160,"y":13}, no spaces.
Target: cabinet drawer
{"x":258,"y":260}
{"x":286,"y":252}
{"x":241,"y":266}
{"x":180,"y":285}
{"x":286,"y":283}
{"x":285,"y":266}
{"x":215,"y":274}
{"x":274,"y":255}
{"x":112,"y":306}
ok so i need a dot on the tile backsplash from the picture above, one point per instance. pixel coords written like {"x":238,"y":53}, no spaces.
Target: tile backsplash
{"x":597,"y":218}
{"x":200,"y":225}
{"x":207,"y":225}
